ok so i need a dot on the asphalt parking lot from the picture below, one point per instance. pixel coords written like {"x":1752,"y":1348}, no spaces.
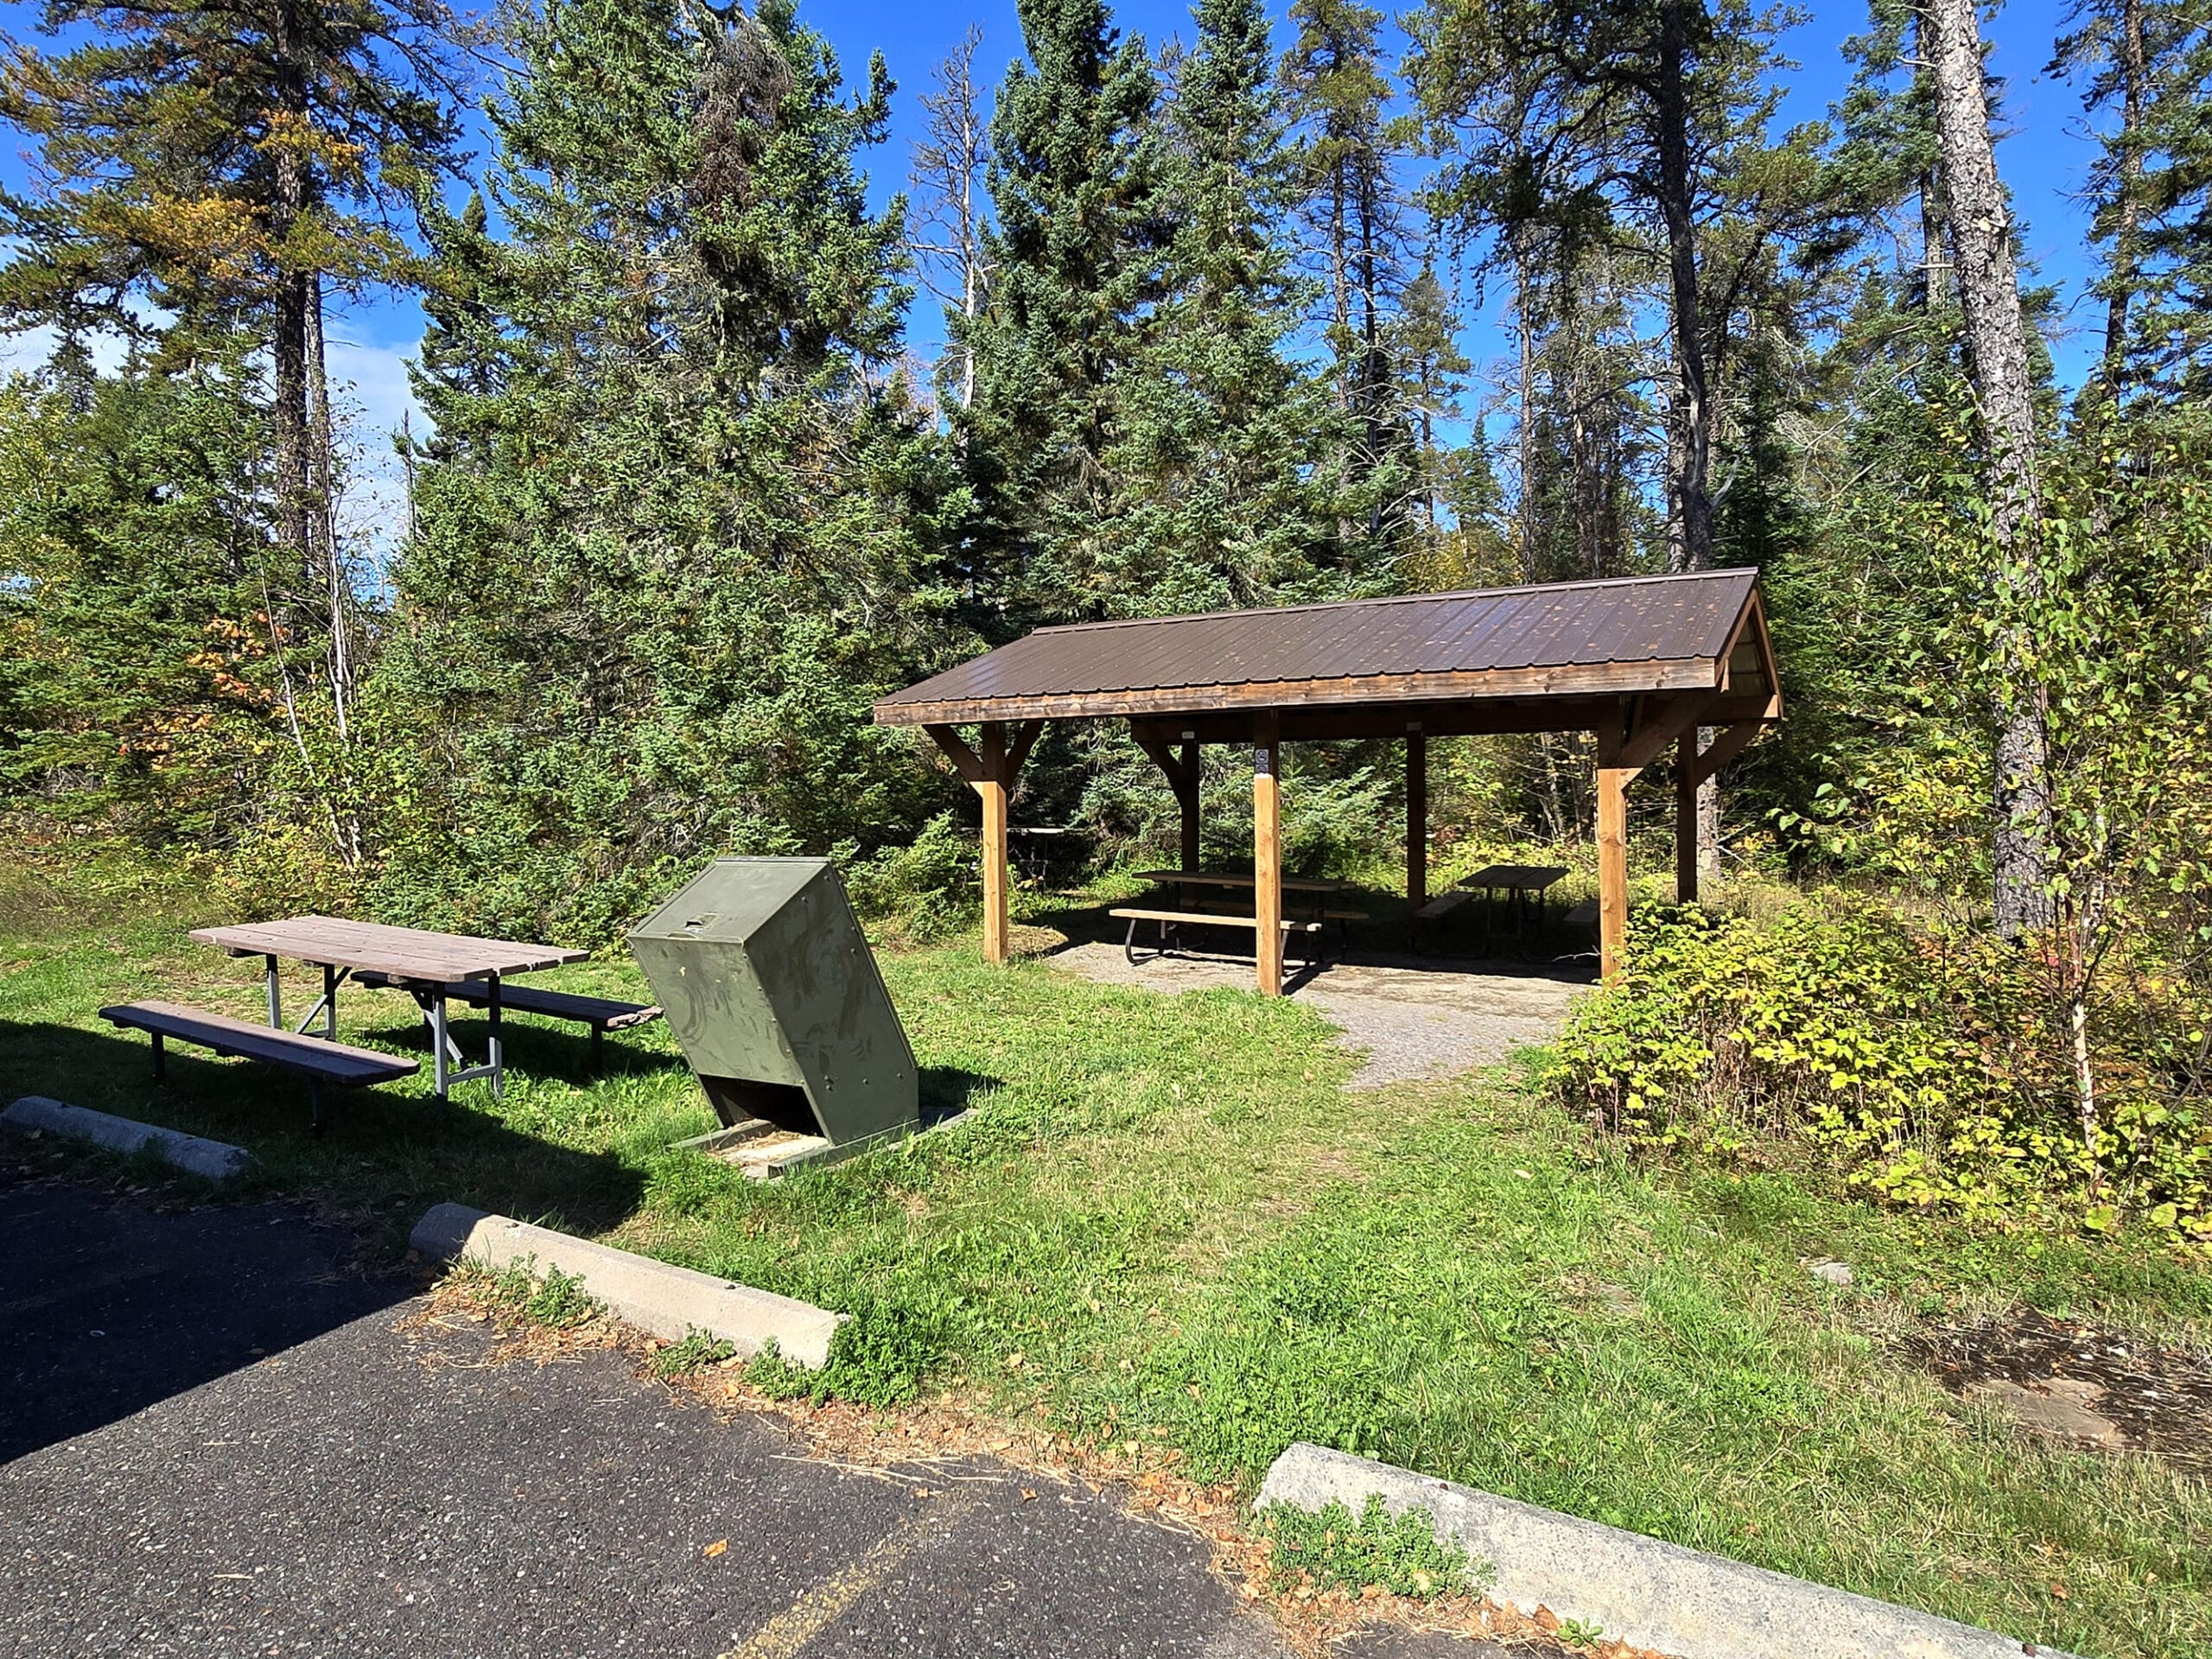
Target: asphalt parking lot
{"x":216,"y":1438}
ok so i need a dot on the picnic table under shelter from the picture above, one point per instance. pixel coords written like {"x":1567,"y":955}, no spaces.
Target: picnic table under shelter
{"x":1643,"y":663}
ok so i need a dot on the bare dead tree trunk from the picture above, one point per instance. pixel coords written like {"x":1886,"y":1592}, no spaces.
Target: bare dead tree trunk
{"x":1525,"y":435}
{"x":1340,"y":279}
{"x":1938,"y":274}
{"x":949,"y":163}
{"x":1989,"y":287}
{"x":338,"y":590}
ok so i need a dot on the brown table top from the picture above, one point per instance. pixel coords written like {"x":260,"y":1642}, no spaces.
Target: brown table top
{"x":403,"y":952}
{"x":1201,"y":879}
{"x":1528,"y":877}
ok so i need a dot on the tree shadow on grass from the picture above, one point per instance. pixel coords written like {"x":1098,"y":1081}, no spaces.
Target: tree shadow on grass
{"x":386,"y":1153}
{"x":542,"y":1049}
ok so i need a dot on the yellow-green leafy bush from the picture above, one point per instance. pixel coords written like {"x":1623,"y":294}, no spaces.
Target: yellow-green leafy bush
{"x":1926,"y":1065}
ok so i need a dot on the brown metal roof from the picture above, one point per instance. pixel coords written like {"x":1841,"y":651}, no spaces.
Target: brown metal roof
{"x":1633,"y":634}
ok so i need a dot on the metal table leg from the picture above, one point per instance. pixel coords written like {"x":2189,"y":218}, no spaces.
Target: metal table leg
{"x":328,"y":1007}
{"x":437,"y":1013}
{"x":275,"y":995}
{"x":492,"y":1013}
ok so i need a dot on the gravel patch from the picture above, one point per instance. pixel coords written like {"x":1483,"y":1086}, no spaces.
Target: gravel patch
{"x":1414,"y":1018}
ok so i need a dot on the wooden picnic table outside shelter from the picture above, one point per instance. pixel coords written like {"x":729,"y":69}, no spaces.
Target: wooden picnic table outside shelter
{"x":422,"y":963}
{"x":1649,"y":665}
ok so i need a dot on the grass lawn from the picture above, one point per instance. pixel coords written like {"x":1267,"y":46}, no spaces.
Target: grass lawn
{"x":1165,"y":1216}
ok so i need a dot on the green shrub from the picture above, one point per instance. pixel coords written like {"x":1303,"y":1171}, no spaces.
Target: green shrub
{"x":557,"y":1301}
{"x":1921,"y":1062}
{"x":698,"y":1350}
{"x":926,"y":889}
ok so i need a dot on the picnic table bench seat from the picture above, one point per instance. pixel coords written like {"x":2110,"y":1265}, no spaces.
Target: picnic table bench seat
{"x":601,"y":1013}
{"x":1212,"y":919}
{"x":317,"y":1058}
{"x":1134,"y":914}
{"x":1303,"y":912}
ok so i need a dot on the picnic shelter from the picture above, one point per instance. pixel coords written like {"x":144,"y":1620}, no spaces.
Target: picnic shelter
{"x":1643,"y":663}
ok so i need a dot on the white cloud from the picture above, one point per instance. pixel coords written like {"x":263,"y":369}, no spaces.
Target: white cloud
{"x":28,"y":352}
{"x":371,"y":397}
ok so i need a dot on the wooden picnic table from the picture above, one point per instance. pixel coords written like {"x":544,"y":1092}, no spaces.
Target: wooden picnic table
{"x":1518,"y":881}
{"x":1205,"y":879}
{"x":1307,"y":925}
{"x":420,"y":963}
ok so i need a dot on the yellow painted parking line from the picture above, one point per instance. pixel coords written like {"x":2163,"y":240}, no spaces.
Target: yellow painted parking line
{"x":823,"y":1604}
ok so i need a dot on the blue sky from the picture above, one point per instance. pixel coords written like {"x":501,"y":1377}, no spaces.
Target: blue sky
{"x":2045,"y":157}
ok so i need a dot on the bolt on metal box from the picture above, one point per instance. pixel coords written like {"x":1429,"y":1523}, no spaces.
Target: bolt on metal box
{"x":771,"y":991}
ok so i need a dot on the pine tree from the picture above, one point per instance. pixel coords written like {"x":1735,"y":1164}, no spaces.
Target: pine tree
{"x":1338,"y":90}
{"x":1221,"y":450}
{"x":2145,"y":69}
{"x":140,"y":690}
{"x":209,"y":174}
{"x":1631,"y":126}
{"x":1073,"y":262}
{"x":680,"y":522}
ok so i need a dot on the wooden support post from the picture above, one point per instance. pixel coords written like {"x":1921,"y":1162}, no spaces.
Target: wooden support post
{"x":1416,"y":820}
{"x":1186,"y":796}
{"x":1612,"y":853}
{"x":992,"y":786}
{"x":1686,"y":785}
{"x":1266,"y":850}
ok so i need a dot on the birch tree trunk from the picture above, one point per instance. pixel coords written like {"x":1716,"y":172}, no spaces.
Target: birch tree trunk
{"x":1989,"y":290}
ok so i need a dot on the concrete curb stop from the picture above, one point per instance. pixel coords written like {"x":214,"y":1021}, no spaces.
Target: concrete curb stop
{"x":1636,"y":1589}
{"x":216,"y":1160}
{"x":666,"y":1301}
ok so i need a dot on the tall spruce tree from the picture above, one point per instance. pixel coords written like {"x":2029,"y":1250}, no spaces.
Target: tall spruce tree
{"x":1221,"y":448}
{"x":681,"y":520}
{"x":207,"y":176}
{"x":1073,"y":262}
{"x":139,"y":694}
{"x":1338,"y":87}
{"x":2145,"y":72}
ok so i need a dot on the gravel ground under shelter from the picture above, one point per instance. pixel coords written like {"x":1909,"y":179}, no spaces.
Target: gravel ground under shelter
{"x":1415,"y":1017}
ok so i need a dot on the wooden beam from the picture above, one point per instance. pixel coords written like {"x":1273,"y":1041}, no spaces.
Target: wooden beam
{"x":1467,"y":719}
{"x":1686,"y":820}
{"x":1186,"y":797}
{"x":992,"y":786}
{"x":1266,"y":850}
{"x":1017,"y":752}
{"x":1416,"y":819}
{"x":1600,"y":679}
{"x":1660,"y":726}
{"x":1612,"y":852}
{"x":1158,"y":751}
{"x":964,"y":759}
{"x":1731,"y":741}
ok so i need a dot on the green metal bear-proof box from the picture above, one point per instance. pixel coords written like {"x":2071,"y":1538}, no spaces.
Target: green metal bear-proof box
{"x":770,"y":986}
